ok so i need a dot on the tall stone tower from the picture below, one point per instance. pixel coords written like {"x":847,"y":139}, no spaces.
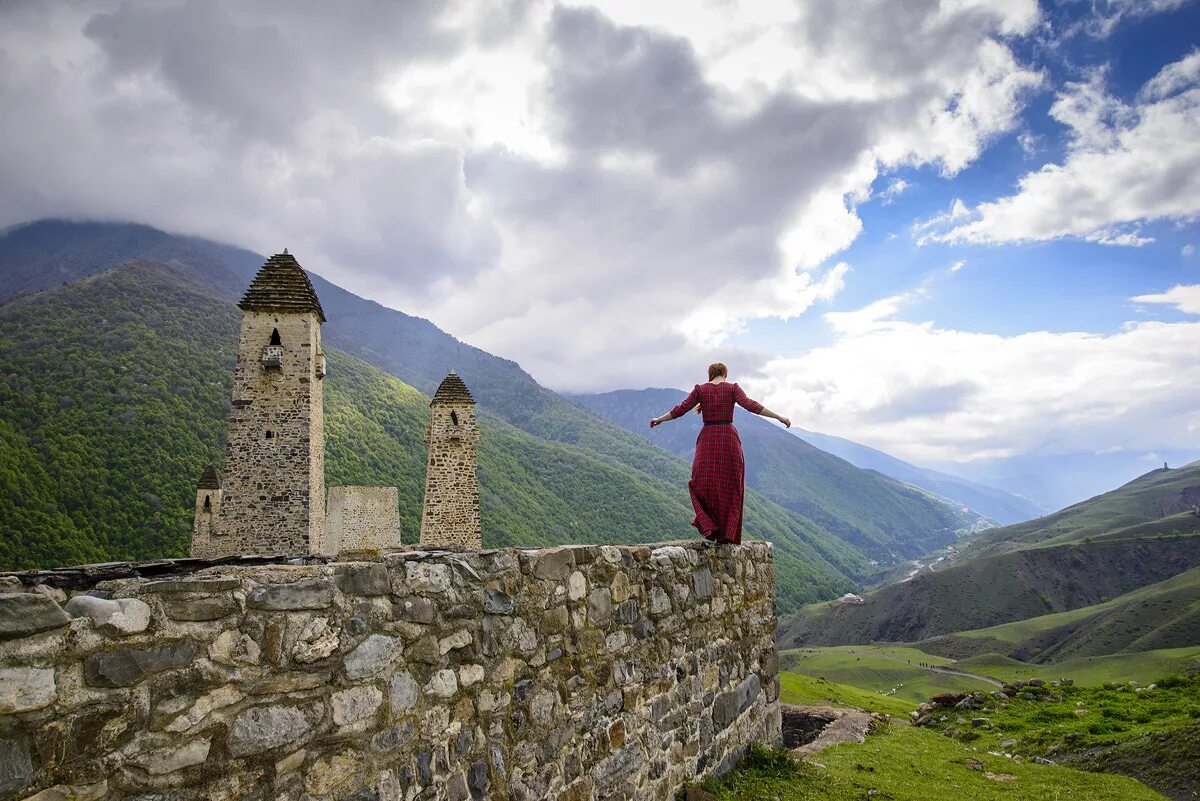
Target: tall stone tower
{"x":208,"y":512}
{"x":274,"y":487}
{"x":451,"y":515}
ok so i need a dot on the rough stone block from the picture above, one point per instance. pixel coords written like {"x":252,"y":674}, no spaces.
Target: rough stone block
{"x":263,"y":728}
{"x":120,"y":616}
{"x":554,"y":563}
{"x":362,"y":579}
{"x":23,"y":614}
{"x":182,"y":606}
{"x":127,"y":666}
{"x":307,"y":593}
{"x":16,"y":766}
{"x":24,"y":689}
{"x":372,"y":655}
{"x":72,"y":792}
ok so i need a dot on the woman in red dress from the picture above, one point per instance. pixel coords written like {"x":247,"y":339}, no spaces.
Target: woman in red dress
{"x":718,"y":468}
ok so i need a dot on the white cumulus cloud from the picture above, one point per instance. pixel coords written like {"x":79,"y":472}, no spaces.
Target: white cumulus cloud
{"x":1186,"y":298}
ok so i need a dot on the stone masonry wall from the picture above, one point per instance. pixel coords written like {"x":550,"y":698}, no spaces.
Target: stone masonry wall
{"x":573,"y":673}
{"x":274,"y":486}
{"x":362,"y":519}
{"x":450,"y":516}
{"x":204,"y":523}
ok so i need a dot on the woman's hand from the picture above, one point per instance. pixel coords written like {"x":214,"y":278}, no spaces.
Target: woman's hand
{"x":655,"y":421}
{"x":786,"y":422}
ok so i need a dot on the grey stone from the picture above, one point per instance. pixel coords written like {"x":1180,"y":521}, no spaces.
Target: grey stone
{"x":371,"y":656}
{"x":477,"y":779}
{"x":127,"y":666}
{"x":425,"y":651}
{"x":660,"y":602}
{"x":456,"y":789}
{"x":169,"y":760}
{"x":425,"y":577}
{"x":443,"y":684}
{"x":497,"y":602}
{"x":317,"y":641}
{"x":355,"y":704}
{"x":619,"y":766}
{"x":307,"y":593}
{"x":16,"y":767}
{"x":599,"y":606}
{"x":702,"y":583}
{"x":415,"y":610}
{"x":262,"y":728}
{"x":234,"y":648}
{"x":462,"y":612}
{"x":554,"y":563}
{"x":72,"y":792}
{"x":207,"y":607}
{"x":393,"y":737}
{"x":120,"y":616}
{"x":204,"y":585}
{"x":362,"y":579}
{"x":728,"y":705}
{"x":23,"y":614}
{"x":403,"y":691}
{"x":24,"y":689}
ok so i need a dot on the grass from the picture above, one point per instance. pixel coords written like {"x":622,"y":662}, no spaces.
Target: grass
{"x":1091,"y":671}
{"x":796,"y":688}
{"x":902,"y":763}
{"x":893,"y":672}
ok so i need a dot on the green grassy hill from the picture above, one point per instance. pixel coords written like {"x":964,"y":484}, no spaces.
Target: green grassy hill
{"x":1091,"y":671}
{"x":1162,"y":615}
{"x":893,"y":672}
{"x":887,"y":519}
{"x":1159,"y":502}
{"x":115,"y":393}
{"x":993,"y":590}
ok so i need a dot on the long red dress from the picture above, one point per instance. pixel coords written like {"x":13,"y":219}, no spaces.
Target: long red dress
{"x":718,"y":468}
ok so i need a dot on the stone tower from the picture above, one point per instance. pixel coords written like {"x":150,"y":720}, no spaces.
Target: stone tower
{"x":208,"y":511}
{"x":451,"y":515}
{"x":274,"y":487}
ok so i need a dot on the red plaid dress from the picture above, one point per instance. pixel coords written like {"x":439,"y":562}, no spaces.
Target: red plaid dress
{"x":718,"y":468}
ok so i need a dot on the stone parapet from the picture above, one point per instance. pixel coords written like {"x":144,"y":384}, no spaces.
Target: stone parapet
{"x":580,"y":672}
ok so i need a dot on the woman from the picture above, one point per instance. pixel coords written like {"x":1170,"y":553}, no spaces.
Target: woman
{"x":718,"y":469}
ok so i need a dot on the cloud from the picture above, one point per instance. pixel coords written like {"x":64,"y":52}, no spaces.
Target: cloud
{"x":935,"y":394}
{"x":1188,"y":250}
{"x":606,"y":194}
{"x":1185,"y":298}
{"x":1126,"y":165}
{"x":1107,"y":15}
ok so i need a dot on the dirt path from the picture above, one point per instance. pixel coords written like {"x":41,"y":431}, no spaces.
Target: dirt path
{"x":965,"y":675}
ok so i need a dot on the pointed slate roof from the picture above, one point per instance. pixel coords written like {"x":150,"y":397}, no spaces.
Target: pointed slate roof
{"x":452,"y":390}
{"x":209,"y":479}
{"x":282,"y":285}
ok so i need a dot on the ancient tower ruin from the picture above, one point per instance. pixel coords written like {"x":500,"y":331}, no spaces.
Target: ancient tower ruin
{"x":451,"y":515}
{"x":208,"y":511}
{"x":273,"y":492}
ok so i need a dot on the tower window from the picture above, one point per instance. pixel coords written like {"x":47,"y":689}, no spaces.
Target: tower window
{"x":453,"y":418}
{"x":207,"y":503}
{"x":270,"y":434}
{"x":275,"y":337}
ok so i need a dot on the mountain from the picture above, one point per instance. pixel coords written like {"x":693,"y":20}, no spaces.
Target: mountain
{"x":115,"y":393}
{"x":1139,"y":534}
{"x":1003,"y":507}
{"x":887,"y":519}
{"x":1158,"y":616}
{"x":1147,"y":505}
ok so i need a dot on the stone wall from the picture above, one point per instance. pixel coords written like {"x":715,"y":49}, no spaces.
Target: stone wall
{"x":274,"y":478}
{"x":574,"y":673}
{"x":450,"y":516}
{"x":362,"y":519}
{"x":204,"y":522}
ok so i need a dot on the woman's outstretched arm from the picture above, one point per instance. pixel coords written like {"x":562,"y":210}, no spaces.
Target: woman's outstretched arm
{"x":691,"y":400}
{"x":743,"y":400}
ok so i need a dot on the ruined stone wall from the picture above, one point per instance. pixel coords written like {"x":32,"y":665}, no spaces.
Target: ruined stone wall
{"x":577,"y":673}
{"x":362,"y":519}
{"x":274,"y":480}
{"x":204,"y":523}
{"x":450,"y":517}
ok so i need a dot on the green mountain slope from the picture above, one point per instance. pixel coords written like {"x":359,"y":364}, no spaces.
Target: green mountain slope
{"x":48,"y":253}
{"x":1162,"y":615}
{"x":887,"y":519}
{"x":994,"y":590}
{"x":115,"y":392}
{"x":1144,"y":501}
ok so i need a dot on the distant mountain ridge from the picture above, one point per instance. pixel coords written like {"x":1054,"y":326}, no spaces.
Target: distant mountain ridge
{"x":1142,"y":533}
{"x":418,"y":353}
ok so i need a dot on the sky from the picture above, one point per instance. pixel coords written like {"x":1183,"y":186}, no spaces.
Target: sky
{"x":958,"y":231}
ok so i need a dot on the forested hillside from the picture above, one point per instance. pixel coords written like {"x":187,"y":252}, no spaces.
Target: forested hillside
{"x":114,"y":397}
{"x":846,"y":507}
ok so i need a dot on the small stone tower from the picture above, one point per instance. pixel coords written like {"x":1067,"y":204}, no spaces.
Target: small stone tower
{"x":274,"y":486}
{"x":451,"y":515}
{"x":208,"y":511}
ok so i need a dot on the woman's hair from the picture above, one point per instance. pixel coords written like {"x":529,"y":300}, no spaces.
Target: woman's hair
{"x":715,"y":369}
